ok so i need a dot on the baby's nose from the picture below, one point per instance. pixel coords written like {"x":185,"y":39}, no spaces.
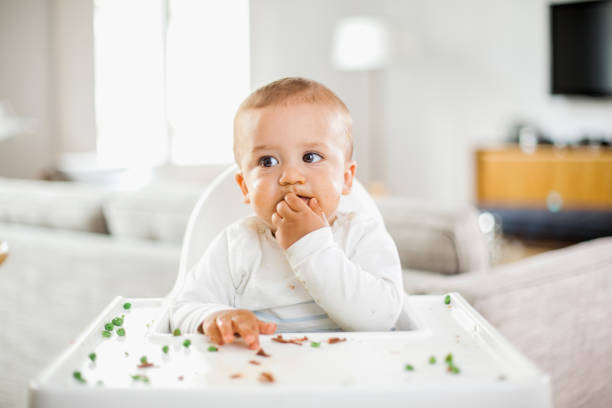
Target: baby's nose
{"x":291,"y":175}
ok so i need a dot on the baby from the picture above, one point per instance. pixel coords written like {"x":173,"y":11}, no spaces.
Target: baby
{"x":298,"y":264}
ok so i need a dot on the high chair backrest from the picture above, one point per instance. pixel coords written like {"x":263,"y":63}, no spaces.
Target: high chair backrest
{"x":221,"y":204}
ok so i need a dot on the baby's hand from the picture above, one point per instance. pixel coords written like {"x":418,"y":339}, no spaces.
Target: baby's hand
{"x":294,"y":218}
{"x":220,"y":327}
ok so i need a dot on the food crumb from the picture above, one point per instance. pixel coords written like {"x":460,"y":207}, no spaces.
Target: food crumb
{"x":447,"y":300}
{"x":333,"y":340}
{"x":265,"y":377}
{"x":292,"y":287}
{"x":254,"y":362}
{"x":181,"y":378}
{"x":144,"y":363}
{"x":262,"y":353}
{"x":237,"y":375}
{"x":280,"y":339}
{"x":212,"y":348}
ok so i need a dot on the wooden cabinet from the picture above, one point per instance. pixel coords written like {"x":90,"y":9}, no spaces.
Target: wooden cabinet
{"x":569,"y":178}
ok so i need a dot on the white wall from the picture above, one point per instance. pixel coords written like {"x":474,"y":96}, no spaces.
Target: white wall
{"x":46,"y":73}
{"x":462,"y":73}
{"x":24,"y":83}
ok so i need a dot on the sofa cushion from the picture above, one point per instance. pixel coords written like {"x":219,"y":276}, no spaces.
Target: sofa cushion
{"x":53,"y":204}
{"x":433,"y":237}
{"x":157,"y":212}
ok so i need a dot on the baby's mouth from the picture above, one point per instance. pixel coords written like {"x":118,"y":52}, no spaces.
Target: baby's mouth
{"x":305,"y":199}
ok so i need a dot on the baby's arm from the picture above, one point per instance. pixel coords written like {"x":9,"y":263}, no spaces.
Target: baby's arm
{"x":203,"y":305}
{"x":360,"y":290}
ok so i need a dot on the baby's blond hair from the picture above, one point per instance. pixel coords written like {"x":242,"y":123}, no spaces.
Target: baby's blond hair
{"x":293,"y":91}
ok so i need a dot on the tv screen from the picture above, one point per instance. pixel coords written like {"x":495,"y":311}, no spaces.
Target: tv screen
{"x":581,"y":49}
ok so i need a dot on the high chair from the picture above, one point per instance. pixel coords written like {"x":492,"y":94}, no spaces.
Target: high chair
{"x":441,"y":353}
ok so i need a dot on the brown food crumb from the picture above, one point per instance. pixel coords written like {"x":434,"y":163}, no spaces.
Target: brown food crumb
{"x":181,"y":378}
{"x":145,"y":365}
{"x":291,"y":287}
{"x":262,"y":353}
{"x":237,"y":375}
{"x":254,"y":362}
{"x":266,"y":377}
{"x":279,"y":339}
{"x":333,"y":340}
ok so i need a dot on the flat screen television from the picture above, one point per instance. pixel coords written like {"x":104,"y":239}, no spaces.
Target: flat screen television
{"x":581,"y":48}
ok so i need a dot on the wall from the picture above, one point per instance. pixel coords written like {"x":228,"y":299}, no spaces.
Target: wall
{"x":462,"y":73}
{"x":24,"y":83}
{"x":46,"y":72}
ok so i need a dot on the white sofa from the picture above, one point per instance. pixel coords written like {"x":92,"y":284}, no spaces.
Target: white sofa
{"x":73,"y":247}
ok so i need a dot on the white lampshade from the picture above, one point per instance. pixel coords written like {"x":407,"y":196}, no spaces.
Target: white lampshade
{"x":360,"y":43}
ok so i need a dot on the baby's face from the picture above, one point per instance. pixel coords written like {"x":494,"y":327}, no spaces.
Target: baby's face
{"x":301,"y":149}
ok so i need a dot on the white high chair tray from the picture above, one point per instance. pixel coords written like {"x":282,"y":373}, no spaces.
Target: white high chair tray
{"x":365,"y":370}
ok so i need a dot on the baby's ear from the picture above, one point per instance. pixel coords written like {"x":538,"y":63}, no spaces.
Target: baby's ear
{"x":243,"y":187}
{"x":349,"y":175}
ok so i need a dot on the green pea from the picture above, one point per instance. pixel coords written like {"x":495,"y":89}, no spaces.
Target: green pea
{"x":187,"y":343}
{"x":106,"y":333}
{"x":142,"y":378}
{"x":165,"y":349}
{"x":409,"y":367}
{"x":447,"y":300}
{"x":212,"y":348}
{"x":432,"y":360}
{"x":108,"y":327}
{"x":454,"y":369}
{"x":127,"y":306}
{"x":117,"y":321}
{"x":121,"y":331}
{"x":315,"y":344}
{"x":176,"y":332}
{"x":92,"y":356}
{"x":449,"y":358}
{"x":77,"y":376}
{"x":143,"y":359}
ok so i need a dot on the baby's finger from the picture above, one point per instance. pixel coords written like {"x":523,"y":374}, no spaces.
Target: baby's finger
{"x":212,"y":331}
{"x":225,"y":328}
{"x":248,"y":331}
{"x":295,"y":202}
{"x":316,"y":208}
{"x":276,"y":220}
{"x":266,"y":327}
{"x":283,"y":210}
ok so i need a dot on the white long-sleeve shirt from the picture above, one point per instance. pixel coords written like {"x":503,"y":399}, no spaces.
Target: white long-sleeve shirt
{"x":347,"y":276}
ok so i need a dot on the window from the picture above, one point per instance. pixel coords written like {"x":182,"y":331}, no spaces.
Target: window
{"x":170,"y":75}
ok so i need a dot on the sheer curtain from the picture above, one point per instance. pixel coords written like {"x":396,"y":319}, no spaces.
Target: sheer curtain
{"x":169,"y":77}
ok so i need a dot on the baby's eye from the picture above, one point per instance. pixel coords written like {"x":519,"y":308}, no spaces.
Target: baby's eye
{"x":312,"y":157}
{"x":267,"y":161}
